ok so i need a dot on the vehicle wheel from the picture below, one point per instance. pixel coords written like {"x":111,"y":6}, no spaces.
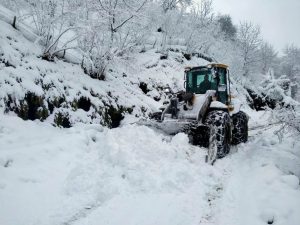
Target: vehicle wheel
{"x":198,"y":134}
{"x":240,"y":128}
{"x":220,"y":134}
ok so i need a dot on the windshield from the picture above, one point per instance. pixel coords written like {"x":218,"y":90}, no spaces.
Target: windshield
{"x":200,"y":80}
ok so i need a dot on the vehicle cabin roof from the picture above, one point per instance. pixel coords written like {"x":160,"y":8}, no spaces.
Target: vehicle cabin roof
{"x":207,"y":66}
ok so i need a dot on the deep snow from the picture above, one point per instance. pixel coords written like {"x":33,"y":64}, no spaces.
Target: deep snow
{"x":89,"y":174}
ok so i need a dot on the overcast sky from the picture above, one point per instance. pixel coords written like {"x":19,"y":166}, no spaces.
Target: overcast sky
{"x":279,"y":19}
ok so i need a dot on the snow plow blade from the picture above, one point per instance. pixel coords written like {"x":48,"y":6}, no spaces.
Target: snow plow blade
{"x":169,"y":127}
{"x":198,"y":133}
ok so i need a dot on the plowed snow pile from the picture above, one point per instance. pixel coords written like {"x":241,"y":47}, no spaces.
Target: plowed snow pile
{"x":135,"y":175}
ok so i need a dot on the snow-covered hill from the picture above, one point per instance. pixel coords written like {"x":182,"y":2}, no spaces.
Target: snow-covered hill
{"x":35,"y":88}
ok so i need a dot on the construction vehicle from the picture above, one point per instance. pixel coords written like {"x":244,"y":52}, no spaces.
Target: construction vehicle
{"x":205,"y":111}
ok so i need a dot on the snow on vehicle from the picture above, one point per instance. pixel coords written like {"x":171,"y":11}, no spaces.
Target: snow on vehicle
{"x":205,"y":111}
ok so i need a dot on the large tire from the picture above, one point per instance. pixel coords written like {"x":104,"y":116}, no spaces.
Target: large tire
{"x":156,"y":116}
{"x":198,"y":134}
{"x":220,"y":134}
{"x":240,"y":128}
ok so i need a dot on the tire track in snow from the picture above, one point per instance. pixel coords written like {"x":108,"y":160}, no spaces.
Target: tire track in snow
{"x":83,"y":213}
{"x":218,"y":177}
{"x":258,"y":181}
{"x":225,"y":182}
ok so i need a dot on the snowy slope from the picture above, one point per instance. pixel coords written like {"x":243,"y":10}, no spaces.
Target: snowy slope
{"x":22,"y":71}
{"x":89,"y":174}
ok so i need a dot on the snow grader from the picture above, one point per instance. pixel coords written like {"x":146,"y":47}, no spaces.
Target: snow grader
{"x":205,"y":111}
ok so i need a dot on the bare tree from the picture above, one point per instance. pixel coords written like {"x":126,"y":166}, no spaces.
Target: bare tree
{"x":112,"y":31}
{"x":291,"y":61}
{"x":197,"y":28}
{"x":249,"y":42}
{"x":290,"y":66}
{"x":51,"y":20}
{"x":168,"y":5}
{"x":268,"y":57}
{"x":227,"y":26}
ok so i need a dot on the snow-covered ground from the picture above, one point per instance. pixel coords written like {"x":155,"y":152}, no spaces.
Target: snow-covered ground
{"x":134,"y":175}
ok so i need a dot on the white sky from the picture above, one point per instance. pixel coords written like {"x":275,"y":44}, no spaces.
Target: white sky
{"x":279,"y":19}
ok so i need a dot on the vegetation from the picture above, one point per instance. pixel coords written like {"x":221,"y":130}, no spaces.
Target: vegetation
{"x":103,"y":31}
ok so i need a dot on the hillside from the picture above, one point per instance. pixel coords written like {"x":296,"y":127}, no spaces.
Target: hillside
{"x":34,"y":88}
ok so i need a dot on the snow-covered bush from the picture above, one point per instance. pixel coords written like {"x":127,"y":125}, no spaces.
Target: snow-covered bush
{"x":287,"y":110}
{"x":52,"y":21}
{"x":249,"y":40}
{"x":114,"y":28}
{"x":290,"y":67}
{"x":289,"y":119}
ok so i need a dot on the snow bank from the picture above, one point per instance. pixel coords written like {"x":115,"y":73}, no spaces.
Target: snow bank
{"x":89,"y":174}
{"x":263,"y":181}
{"x":65,"y":174}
